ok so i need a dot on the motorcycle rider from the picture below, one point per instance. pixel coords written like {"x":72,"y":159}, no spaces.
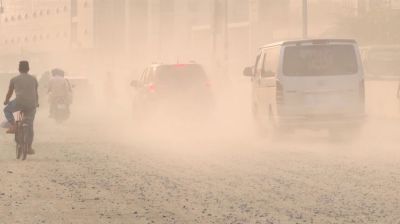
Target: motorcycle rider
{"x":26,"y":100}
{"x":59,"y":88}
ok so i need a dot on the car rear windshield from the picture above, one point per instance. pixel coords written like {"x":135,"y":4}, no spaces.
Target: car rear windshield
{"x":181,"y":75}
{"x":320,"y":60}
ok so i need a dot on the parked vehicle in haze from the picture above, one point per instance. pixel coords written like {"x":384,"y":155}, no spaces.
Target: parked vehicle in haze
{"x":312,"y":84}
{"x":381,"y":62}
{"x":180,"y":89}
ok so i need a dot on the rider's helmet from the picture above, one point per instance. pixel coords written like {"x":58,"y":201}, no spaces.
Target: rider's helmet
{"x":57,"y":72}
{"x":23,"y":67}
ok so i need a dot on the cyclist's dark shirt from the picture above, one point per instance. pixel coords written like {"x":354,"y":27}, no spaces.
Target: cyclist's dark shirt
{"x":25,"y":87}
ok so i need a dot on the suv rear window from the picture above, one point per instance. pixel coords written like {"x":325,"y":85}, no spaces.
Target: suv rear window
{"x":181,"y":75}
{"x":320,"y":60}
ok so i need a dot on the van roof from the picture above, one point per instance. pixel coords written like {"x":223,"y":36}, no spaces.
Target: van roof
{"x":303,"y":41}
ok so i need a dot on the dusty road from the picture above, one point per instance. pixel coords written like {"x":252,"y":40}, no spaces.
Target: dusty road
{"x":84,"y":172}
{"x":81,"y":175}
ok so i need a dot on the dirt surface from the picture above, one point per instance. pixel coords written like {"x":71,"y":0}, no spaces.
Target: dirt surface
{"x":88,"y":172}
{"x":83,"y":176}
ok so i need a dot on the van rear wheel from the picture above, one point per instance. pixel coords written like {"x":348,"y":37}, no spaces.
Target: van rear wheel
{"x":262,"y":125}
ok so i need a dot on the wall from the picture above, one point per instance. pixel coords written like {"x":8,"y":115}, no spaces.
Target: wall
{"x":43,"y":31}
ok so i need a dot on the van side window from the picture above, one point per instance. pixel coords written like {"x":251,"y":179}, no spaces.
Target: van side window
{"x":150,"y":75}
{"x":257,"y":61}
{"x":144,"y":76}
{"x":147,"y":76}
{"x":271,"y":61}
{"x":260,"y":64}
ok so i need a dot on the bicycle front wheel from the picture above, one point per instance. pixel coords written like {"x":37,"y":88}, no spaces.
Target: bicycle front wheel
{"x":24,"y":151}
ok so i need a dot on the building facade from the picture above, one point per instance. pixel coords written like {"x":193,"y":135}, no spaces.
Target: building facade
{"x":35,"y":29}
{"x":113,"y":32}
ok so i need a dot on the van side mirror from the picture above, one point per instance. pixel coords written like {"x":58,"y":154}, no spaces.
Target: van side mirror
{"x":248,"y":71}
{"x":266,"y":74}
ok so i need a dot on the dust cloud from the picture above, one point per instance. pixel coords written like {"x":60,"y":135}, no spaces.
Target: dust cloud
{"x":183,"y":165}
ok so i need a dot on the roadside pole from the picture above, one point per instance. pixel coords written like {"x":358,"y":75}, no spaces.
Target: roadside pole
{"x":220,"y":37}
{"x":1,"y":14}
{"x":226,"y":40}
{"x":1,"y":7}
{"x":305,"y":19}
{"x":253,"y":15}
{"x":127,"y":28}
{"x":214,"y":29}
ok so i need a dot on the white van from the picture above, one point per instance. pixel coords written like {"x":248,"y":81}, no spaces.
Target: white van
{"x":312,"y":84}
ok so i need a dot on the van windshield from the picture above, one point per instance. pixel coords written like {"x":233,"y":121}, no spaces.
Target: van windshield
{"x":320,"y":60}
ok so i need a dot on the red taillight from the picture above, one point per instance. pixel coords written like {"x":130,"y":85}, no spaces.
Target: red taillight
{"x":152,"y":88}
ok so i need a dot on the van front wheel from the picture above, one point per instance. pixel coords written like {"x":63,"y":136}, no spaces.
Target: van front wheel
{"x":265,"y":123}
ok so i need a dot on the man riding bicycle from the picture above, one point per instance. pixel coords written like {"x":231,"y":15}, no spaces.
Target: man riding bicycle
{"x":26,"y":100}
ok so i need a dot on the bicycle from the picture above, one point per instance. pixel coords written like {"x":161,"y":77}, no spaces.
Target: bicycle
{"x":22,"y":146}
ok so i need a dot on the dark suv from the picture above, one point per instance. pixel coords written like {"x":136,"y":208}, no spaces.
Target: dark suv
{"x":173,"y":89}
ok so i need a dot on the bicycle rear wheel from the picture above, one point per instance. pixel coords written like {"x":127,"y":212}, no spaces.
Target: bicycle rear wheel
{"x":19,"y":139}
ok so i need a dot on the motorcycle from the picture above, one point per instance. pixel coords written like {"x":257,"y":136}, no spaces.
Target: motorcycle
{"x":60,"y":111}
